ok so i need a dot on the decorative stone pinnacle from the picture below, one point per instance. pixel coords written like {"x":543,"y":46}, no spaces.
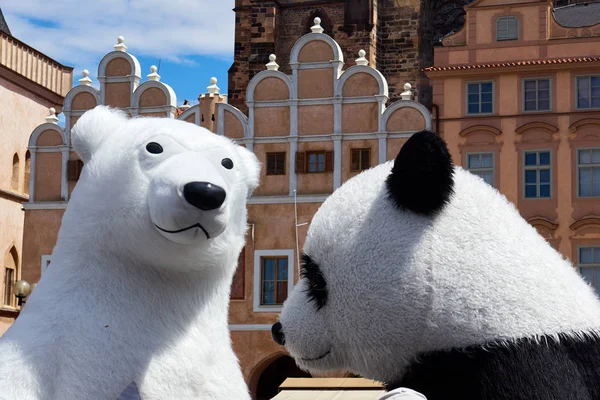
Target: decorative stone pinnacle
{"x":120,"y":46}
{"x":52,"y":118}
{"x":361,"y":60}
{"x":407,"y":94}
{"x":153,"y":75}
{"x":272,"y":65}
{"x":86,"y":81}
{"x":317,"y":28}
{"x":213,"y":88}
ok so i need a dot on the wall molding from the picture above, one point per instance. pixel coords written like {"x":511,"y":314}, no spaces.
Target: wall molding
{"x":250,"y":327}
{"x":307,"y":198}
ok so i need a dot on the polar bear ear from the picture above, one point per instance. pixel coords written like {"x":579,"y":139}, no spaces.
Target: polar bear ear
{"x":250,"y":168}
{"x":92,"y":129}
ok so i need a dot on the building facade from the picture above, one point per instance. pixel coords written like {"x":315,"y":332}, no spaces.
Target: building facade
{"x":397,"y":35}
{"x":518,"y":90}
{"x":312,"y":129}
{"x":30,"y":84}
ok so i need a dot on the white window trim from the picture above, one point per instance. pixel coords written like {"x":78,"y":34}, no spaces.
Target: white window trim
{"x":257,"y":272}
{"x":577,"y":91}
{"x":508,"y":17}
{"x":537,"y":168}
{"x":578,"y":166}
{"x":467,"y":97}
{"x":587,"y":265}
{"x":483,"y":169}
{"x":46,"y":260}
{"x":536,"y":94}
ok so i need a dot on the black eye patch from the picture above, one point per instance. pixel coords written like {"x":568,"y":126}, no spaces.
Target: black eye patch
{"x":154,"y":148}
{"x":227,"y":163}
{"x":317,"y":287}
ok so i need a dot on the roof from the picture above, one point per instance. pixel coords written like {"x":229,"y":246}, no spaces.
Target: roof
{"x":514,"y":64}
{"x":329,"y":395}
{"x":329,"y":383}
{"x":578,"y":15}
{"x":3,"y":25}
{"x":329,"y":389}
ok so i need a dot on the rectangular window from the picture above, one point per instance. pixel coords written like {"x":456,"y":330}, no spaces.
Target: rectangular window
{"x":482,"y":165}
{"x":9,"y":280}
{"x":314,"y":161}
{"x":360,"y":160}
{"x":480,"y":98}
{"x":274,"y":280}
{"x":588,"y":170}
{"x":74,"y":168}
{"x":537,"y":174}
{"x":588,"y":91}
{"x":536,"y":94}
{"x":276,"y":163}
{"x":507,"y":28}
{"x":589,"y":266}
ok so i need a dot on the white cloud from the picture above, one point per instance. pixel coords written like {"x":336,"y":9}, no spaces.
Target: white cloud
{"x":80,"y":32}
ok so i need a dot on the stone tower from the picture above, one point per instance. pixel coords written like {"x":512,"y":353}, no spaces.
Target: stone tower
{"x":388,"y":31}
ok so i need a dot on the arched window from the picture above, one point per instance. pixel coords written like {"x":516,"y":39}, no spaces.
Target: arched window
{"x":507,"y":28}
{"x":14,"y":182}
{"x":11,"y":261}
{"x":27,"y":172}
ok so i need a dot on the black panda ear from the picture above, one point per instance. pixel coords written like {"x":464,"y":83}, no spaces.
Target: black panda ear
{"x":422,"y":179}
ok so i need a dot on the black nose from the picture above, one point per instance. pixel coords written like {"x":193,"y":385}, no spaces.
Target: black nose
{"x":277,"y":333}
{"x":204,"y":195}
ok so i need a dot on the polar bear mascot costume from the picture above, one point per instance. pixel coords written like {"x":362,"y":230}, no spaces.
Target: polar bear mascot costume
{"x":136,"y":297}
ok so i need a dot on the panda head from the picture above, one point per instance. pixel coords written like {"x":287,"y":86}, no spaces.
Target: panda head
{"x":418,"y":255}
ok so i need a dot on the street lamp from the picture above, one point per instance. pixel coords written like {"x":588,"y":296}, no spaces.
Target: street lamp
{"x":22,"y":290}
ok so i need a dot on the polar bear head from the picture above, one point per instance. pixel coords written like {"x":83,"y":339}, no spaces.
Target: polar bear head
{"x":156,"y":188}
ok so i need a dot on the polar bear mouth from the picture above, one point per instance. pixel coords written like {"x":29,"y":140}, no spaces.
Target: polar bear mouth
{"x":186,"y":229}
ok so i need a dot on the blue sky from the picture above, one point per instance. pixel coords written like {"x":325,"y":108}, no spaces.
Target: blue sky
{"x":193,"y":39}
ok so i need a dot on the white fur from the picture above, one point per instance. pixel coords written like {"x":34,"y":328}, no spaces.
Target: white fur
{"x":400,"y":284}
{"x":121,"y":301}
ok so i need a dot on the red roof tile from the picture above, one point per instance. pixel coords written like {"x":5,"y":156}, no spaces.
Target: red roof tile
{"x":513,"y":64}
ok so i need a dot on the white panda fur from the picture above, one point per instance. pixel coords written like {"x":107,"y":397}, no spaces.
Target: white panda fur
{"x":125,"y":307}
{"x":416,"y":299}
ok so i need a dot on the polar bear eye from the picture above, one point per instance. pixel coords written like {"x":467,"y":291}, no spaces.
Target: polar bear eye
{"x":227,"y":163}
{"x":154,"y":148}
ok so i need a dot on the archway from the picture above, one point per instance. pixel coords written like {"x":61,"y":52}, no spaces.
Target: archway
{"x":274,"y":374}
{"x":27,"y":172}
{"x":14,"y":183}
{"x":11,"y":264}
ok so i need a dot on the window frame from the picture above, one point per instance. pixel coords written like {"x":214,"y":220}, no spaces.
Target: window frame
{"x":578,"y":166}
{"x":575,"y":80}
{"x":360,"y":151}
{"x":275,"y":280}
{"x":467,"y":83}
{"x":507,"y":18}
{"x":317,"y":153}
{"x":276,"y":154}
{"x":592,"y":265}
{"x":493,"y":169}
{"x":257,"y":290}
{"x":537,"y":79}
{"x":9,"y":288}
{"x":526,"y":168}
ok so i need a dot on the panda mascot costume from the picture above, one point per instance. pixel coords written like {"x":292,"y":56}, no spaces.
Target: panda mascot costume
{"x":418,"y":274}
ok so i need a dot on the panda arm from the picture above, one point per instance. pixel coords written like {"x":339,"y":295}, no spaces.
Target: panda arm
{"x":403,"y":394}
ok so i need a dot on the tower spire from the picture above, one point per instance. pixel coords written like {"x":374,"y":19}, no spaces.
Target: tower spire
{"x":3,"y":24}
